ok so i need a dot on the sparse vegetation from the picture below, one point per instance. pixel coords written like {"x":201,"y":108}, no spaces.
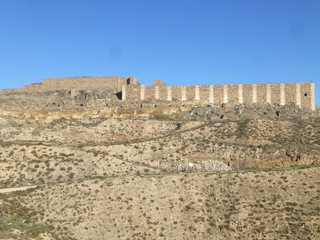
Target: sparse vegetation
{"x":117,"y":177}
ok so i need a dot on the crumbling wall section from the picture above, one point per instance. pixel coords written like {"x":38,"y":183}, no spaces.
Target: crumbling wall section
{"x":10,"y":91}
{"x":76,"y":83}
{"x":34,"y":87}
{"x":88,"y":83}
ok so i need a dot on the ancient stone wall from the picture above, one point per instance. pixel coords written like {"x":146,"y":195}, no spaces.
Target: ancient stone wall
{"x":300,"y":94}
{"x":12,"y":90}
{"x":76,"y":83}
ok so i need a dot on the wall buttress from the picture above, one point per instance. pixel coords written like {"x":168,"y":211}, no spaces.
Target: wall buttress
{"x":211,"y":96}
{"x":268,"y":93}
{"x":183,"y":93}
{"x":124,"y":93}
{"x":196,"y":93}
{"x":240,"y":94}
{"x":156,"y":93}
{"x":254,"y":93}
{"x":282,"y":95}
{"x":312,"y":90}
{"x":225,"y":94}
{"x":298,"y":95}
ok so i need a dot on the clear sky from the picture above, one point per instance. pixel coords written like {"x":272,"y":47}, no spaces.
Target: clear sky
{"x":177,"y":41}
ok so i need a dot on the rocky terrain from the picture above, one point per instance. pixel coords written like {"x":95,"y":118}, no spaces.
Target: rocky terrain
{"x":101,"y":168}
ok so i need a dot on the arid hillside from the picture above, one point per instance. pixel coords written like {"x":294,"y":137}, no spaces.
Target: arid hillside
{"x":269,"y":204}
{"x":105,"y":169}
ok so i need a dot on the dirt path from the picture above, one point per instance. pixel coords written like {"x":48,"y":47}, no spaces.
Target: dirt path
{"x":7,"y":190}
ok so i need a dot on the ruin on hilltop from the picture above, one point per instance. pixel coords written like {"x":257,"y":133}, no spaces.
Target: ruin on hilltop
{"x":129,"y":89}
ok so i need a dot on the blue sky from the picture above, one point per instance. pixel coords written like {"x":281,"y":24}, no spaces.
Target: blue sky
{"x":177,"y":41}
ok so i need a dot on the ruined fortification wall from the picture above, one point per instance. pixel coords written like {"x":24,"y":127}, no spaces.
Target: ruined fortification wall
{"x":76,"y":83}
{"x":88,"y":83}
{"x":12,"y":90}
{"x":300,"y":94}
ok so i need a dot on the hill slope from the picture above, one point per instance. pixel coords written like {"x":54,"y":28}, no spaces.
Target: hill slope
{"x":143,"y":171}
